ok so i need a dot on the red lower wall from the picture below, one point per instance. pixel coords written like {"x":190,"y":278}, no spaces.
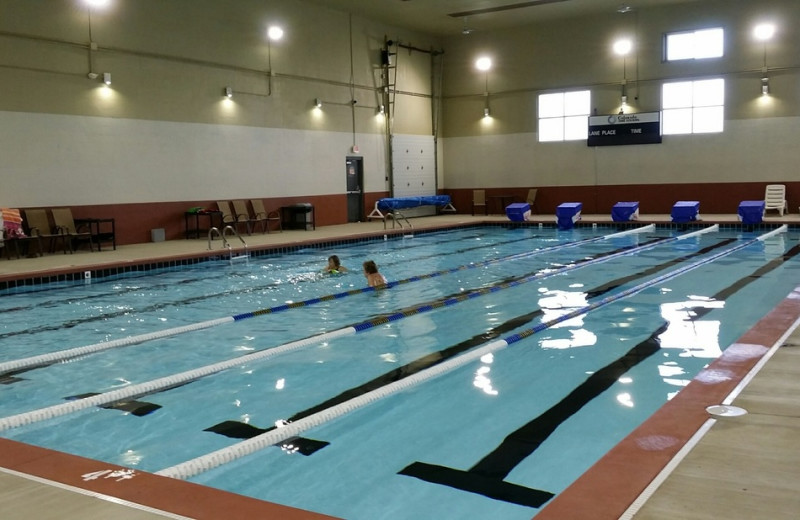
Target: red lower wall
{"x":134,"y":221}
{"x":652,"y":198}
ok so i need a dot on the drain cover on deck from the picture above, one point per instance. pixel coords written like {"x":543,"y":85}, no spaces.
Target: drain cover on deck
{"x":721,"y":410}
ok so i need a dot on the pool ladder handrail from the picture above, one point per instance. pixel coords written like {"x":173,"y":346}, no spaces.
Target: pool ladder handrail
{"x":396,"y":217}
{"x":226,"y":244}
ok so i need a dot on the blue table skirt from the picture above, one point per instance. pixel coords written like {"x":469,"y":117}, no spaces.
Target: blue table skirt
{"x":625,"y":211}
{"x":567,"y":214}
{"x":518,"y":212}
{"x":685,"y":211}
{"x":751,"y":211}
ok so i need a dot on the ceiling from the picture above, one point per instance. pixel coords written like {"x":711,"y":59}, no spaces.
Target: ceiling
{"x":453,"y":17}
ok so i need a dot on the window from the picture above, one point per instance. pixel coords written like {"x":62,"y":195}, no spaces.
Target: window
{"x":563,"y":116}
{"x":694,"y":45}
{"x":693,"y":107}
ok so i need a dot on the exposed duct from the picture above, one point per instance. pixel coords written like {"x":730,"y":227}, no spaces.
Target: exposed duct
{"x":520,"y":5}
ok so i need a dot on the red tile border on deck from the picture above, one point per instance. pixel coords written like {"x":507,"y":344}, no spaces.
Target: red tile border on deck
{"x":603,"y":492}
{"x":147,"y":489}
{"x":607,"y":489}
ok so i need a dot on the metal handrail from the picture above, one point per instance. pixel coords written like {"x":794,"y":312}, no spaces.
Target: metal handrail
{"x":211,"y":233}
{"x":227,"y":244}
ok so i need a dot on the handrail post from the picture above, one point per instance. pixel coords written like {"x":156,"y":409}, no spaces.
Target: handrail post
{"x":211,"y":234}
{"x":236,"y":234}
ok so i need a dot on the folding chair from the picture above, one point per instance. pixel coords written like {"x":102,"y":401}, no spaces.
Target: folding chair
{"x":65,"y":227}
{"x":265,"y":217}
{"x":478,"y":200}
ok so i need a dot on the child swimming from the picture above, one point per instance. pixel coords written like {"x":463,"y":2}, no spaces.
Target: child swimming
{"x":374,"y":278}
{"x":334,"y":266}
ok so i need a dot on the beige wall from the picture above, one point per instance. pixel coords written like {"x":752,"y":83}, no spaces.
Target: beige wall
{"x":576,"y":54}
{"x":163,"y":132}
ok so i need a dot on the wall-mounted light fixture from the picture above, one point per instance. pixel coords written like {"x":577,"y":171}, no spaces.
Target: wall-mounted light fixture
{"x":623,"y":48}
{"x":274,"y":33}
{"x":381,"y":110}
{"x":317,"y":103}
{"x":764,"y":32}
{"x":227,"y":92}
{"x":107,"y":78}
{"x":483,"y":64}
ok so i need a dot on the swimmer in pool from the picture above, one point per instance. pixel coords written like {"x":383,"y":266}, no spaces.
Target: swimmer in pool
{"x":334,"y":266}
{"x":374,"y":278}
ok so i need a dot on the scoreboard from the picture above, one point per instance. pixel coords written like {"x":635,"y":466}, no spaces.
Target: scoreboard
{"x":618,"y":129}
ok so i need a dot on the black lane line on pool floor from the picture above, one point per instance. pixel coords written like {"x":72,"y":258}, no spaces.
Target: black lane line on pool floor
{"x":137,"y":408}
{"x":240,"y":430}
{"x":486,"y":477}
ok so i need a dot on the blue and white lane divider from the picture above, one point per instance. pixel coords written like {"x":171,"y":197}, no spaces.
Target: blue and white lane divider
{"x":241,"y":449}
{"x":156,"y":385}
{"x":64,"y":355}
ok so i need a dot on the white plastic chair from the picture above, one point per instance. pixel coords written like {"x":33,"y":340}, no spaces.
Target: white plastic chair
{"x":775,"y":198}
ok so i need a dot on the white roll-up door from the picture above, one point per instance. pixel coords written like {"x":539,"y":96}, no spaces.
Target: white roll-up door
{"x":414,"y":170}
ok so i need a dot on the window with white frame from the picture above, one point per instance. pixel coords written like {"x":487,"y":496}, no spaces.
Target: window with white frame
{"x":692,"y":107}
{"x":694,"y":45}
{"x":563,"y":116}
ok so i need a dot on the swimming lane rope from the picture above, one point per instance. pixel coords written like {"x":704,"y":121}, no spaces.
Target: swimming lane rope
{"x":64,"y":355}
{"x":173,"y":380}
{"x":223,"y":456}
{"x":167,"y":382}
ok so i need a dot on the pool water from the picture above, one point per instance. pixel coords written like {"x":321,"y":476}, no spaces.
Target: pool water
{"x":495,"y":436}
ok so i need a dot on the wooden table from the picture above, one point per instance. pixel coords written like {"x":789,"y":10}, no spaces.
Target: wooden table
{"x":503,"y":201}
{"x":191,"y":221}
{"x":101,"y":229}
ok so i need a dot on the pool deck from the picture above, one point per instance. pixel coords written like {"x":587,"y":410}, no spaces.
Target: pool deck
{"x":736,"y":468}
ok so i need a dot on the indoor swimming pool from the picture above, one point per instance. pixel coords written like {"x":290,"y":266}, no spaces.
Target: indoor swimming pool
{"x":497,"y":365}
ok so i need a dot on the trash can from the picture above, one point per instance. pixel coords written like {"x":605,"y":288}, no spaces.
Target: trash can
{"x":299,"y":216}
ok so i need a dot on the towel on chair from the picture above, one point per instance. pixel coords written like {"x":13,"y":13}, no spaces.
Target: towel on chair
{"x":12,"y":223}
